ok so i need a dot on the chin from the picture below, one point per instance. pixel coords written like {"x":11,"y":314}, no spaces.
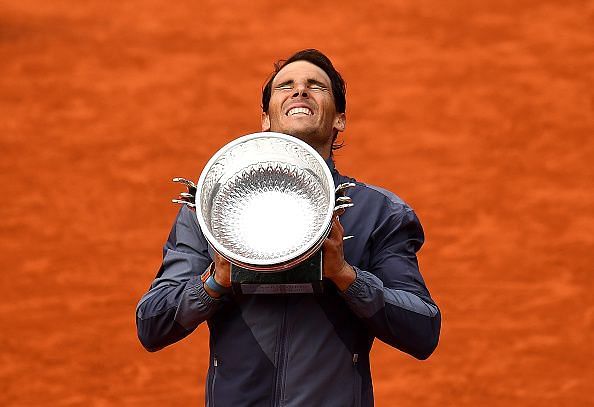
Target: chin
{"x":302,"y":132}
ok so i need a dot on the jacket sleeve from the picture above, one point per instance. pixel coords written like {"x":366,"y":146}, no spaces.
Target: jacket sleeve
{"x":391,"y":297}
{"x":176,"y":302}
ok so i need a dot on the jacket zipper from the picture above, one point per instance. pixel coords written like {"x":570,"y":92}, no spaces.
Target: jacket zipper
{"x":357,"y":381}
{"x":215,"y":364}
{"x":279,"y":381}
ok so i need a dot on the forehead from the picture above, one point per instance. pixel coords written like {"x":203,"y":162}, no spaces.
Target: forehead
{"x":301,"y":70}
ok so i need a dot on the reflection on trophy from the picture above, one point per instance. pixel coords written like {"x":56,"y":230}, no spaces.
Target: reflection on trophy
{"x":265,"y":202}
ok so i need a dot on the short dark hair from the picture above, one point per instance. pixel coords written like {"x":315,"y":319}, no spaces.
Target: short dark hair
{"x":321,"y":61}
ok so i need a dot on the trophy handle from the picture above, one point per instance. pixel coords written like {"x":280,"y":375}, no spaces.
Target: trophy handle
{"x":186,"y":198}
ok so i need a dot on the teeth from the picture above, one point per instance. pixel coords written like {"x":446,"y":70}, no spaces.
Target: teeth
{"x":299,"y":110}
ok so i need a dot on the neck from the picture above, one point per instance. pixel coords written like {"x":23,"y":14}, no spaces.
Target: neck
{"x":326,"y":153}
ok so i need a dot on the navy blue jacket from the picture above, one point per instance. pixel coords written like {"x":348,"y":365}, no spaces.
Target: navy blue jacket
{"x":300,"y":350}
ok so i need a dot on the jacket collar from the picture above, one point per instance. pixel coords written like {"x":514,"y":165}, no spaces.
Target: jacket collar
{"x":330,"y":164}
{"x":333,"y":171}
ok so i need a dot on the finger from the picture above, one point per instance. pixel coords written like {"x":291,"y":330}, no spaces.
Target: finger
{"x":182,"y":202}
{"x":337,"y":231}
{"x":344,"y":200}
{"x":339,"y":225}
{"x":342,"y":207}
{"x":184,"y":181}
{"x":342,"y":188}
{"x":220,"y":259}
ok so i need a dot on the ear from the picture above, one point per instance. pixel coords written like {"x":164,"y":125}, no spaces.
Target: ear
{"x":265,"y":122}
{"x":340,"y":122}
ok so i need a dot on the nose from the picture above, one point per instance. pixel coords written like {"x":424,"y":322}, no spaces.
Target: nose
{"x":300,"y":90}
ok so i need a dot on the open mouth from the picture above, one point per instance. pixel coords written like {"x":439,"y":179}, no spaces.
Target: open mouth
{"x":299,"y":111}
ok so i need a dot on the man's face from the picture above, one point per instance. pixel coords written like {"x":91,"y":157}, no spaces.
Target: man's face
{"x":302,"y":105}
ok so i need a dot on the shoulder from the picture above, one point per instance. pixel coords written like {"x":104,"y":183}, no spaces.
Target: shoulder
{"x":374,"y":193}
{"x":378,"y":196}
{"x":385,"y":195}
{"x":378,"y":205}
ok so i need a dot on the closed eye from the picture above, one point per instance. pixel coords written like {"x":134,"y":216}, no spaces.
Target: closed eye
{"x":284,"y":85}
{"x":316,"y":85}
{"x":311,"y":84}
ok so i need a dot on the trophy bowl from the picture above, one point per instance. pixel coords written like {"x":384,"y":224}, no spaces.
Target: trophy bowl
{"x":265,"y":201}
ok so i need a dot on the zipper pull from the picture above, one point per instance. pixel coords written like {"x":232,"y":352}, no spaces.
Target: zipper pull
{"x":355,"y":358}
{"x":215,"y":362}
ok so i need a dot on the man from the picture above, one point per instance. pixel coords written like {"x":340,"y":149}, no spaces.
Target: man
{"x":301,"y":350}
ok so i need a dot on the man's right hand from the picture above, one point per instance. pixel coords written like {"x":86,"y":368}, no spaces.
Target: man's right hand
{"x":222,"y":271}
{"x":222,"y":275}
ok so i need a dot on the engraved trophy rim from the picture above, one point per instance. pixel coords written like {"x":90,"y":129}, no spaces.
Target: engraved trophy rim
{"x":279,"y":262}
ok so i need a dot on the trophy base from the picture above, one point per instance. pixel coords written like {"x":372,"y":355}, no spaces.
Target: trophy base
{"x":304,"y":278}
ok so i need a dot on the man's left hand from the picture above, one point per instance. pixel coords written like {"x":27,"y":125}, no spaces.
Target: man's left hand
{"x":335,"y":267}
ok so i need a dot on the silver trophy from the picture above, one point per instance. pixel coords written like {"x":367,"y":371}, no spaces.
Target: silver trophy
{"x":265,"y":202}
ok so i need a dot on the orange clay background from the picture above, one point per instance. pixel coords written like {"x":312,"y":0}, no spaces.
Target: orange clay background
{"x":477,"y":113}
